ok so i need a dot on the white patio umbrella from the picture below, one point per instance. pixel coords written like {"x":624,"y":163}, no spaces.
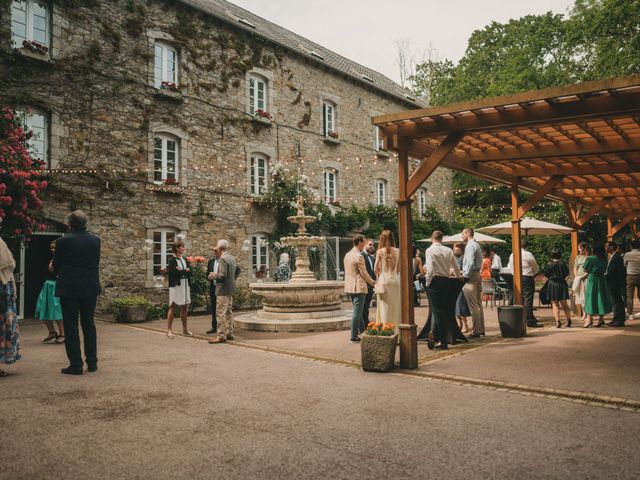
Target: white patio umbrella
{"x":530,"y":226}
{"x":480,"y":238}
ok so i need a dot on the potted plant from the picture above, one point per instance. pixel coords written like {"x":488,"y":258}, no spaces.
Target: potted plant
{"x":130,"y":309}
{"x":378,"y":347}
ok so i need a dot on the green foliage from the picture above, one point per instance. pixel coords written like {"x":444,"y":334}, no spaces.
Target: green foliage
{"x":199,"y":286}
{"x":154,"y":312}
{"x":245,"y":298}
{"x":119,"y":305}
{"x":598,"y":38}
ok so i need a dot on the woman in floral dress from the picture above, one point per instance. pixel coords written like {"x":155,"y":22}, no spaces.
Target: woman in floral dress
{"x":9,"y":333}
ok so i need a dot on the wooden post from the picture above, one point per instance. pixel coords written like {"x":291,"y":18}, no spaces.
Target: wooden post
{"x":574,"y":248}
{"x":408,"y":328}
{"x":516,"y":245}
{"x":609,"y":228}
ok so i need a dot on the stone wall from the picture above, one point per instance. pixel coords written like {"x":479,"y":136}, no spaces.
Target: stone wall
{"x":97,"y":86}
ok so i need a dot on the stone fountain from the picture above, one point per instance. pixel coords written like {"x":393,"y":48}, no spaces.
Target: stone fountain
{"x":303,"y":304}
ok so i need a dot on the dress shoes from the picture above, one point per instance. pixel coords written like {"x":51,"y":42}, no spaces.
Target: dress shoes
{"x":92,"y":368}
{"x":211,"y":332}
{"x":355,"y":340}
{"x":473,"y":335}
{"x":229,"y":337}
{"x":615,"y":324}
{"x":71,"y":371}
{"x":218,"y":340}
{"x":535,"y":325}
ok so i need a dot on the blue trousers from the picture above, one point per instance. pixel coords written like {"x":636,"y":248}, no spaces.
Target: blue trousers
{"x":357,"y":301}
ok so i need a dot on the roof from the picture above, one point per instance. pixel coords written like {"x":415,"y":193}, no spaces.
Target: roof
{"x":245,"y":20}
{"x":578,"y":143}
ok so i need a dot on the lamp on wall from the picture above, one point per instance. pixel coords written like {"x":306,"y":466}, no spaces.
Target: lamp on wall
{"x":246,"y":245}
{"x":148,"y":245}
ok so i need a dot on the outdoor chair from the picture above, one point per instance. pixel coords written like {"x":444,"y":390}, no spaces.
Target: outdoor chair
{"x":492,"y":292}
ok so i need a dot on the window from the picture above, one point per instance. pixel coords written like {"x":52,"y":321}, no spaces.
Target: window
{"x":162,"y":242}
{"x":329,"y":118}
{"x":422,"y":201}
{"x":166,"y":64}
{"x":330,"y":186}
{"x":259,"y":256}
{"x":37,"y":122}
{"x":378,"y":142}
{"x":381,"y":192}
{"x":165,"y":159}
{"x":257,"y":94}
{"x":30,"y":22}
{"x":259,"y":167}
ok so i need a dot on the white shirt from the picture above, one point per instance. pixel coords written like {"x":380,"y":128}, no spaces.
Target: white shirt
{"x":440,"y":261}
{"x":632,"y":262}
{"x":496,"y":262}
{"x":529,"y":265}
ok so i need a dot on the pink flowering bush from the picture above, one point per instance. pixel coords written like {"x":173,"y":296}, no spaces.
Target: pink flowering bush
{"x":21,"y":184}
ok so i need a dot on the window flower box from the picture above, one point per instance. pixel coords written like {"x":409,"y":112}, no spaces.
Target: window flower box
{"x":332,"y":138}
{"x":262,"y":117}
{"x":170,"y":90}
{"x":35,"y":47}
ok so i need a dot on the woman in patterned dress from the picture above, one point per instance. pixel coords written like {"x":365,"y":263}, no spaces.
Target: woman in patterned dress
{"x":9,"y":332}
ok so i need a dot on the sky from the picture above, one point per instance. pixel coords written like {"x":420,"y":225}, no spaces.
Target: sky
{"x":365,"y":31}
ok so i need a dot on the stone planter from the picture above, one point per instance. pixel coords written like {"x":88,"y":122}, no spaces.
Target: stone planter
{"x":378,"y":352}
{"x":133,"y":314}
{"x":264,"y":121}
{"x":331,"y":140}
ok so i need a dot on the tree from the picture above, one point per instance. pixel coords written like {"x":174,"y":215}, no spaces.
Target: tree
{"x":20,"y":182}
{"x":598,"y":38}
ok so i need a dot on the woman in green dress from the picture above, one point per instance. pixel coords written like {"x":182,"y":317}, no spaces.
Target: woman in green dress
{"x":596,"y":298}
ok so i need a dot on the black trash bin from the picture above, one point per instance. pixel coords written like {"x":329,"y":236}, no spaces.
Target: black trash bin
{"x":511,"y":321}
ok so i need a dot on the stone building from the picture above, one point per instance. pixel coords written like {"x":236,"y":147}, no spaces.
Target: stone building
{"x":161,"y":118}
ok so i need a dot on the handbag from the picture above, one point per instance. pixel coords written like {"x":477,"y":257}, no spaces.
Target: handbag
{"x":418,"y":286}
{"x":544,"y":294}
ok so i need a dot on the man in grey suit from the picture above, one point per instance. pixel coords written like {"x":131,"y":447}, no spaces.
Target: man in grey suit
{"x":225,"y":277}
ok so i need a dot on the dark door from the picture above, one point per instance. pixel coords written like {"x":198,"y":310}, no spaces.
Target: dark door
{"x":37,"y":258}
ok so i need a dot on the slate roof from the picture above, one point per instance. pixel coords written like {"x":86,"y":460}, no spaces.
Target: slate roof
{"x":245,"y":20}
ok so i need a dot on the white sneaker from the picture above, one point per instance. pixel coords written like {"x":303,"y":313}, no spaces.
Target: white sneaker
{"x":169,"y":334}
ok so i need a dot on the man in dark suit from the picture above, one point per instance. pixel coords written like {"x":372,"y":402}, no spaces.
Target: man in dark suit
{"x":369,"y":261}
{"x":212,"y":269}
{"x":76,"y":263}
{"x":616,"y":276}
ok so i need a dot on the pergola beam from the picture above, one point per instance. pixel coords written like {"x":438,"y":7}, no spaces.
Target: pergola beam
{"x":542,"y":192}
{"x":432,"y":162}
{"x":585,"y":148}
{"x":622,"y":223}
{"x":536,"y":114}
{"x":592,"y":211}
{"x":575,"y":170}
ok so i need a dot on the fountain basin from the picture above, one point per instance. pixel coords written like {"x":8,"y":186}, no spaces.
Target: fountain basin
{"x":297,"y":307}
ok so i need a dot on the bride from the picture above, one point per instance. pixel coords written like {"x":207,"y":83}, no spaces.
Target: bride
{"x":388,"y":280}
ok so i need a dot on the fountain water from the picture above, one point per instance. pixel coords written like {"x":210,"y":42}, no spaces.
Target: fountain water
{"x":303,"y":304}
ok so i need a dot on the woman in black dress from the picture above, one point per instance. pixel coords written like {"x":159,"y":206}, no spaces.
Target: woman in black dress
{"x":557,"y":272}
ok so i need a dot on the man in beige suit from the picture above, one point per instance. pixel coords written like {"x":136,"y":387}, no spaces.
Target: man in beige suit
{"x":356,"y":280}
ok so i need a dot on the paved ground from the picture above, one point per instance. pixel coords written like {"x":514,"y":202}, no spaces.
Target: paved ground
{"x":181,"y":408}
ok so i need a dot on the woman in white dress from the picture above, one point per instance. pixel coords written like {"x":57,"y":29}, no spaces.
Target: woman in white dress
{"x":388,"y":280}
{"x":580,"y":278}
{"x":179,"y":273}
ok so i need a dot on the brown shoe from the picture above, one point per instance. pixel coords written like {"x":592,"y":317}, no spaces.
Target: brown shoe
{"x":218,"y":340}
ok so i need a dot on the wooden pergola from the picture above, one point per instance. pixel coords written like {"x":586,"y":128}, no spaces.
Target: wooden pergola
{"x":576,"y":144}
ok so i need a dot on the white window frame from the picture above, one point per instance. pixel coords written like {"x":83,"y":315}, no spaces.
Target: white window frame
{"x":422,"y":201}
{"x":254,"y":174}
{"x":255,"y":81}
{"x":165,"y":247}
{"x":329,"y":116}
{"x":40,"y":134}
{"x":29,"y":25}
{"x":381,"y":191}
{"x":378,"y":142}
{"x":259,"y":253}
{"x":164,"y":173}
{"x":165,"y":75}
{"x":330,"y":185}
